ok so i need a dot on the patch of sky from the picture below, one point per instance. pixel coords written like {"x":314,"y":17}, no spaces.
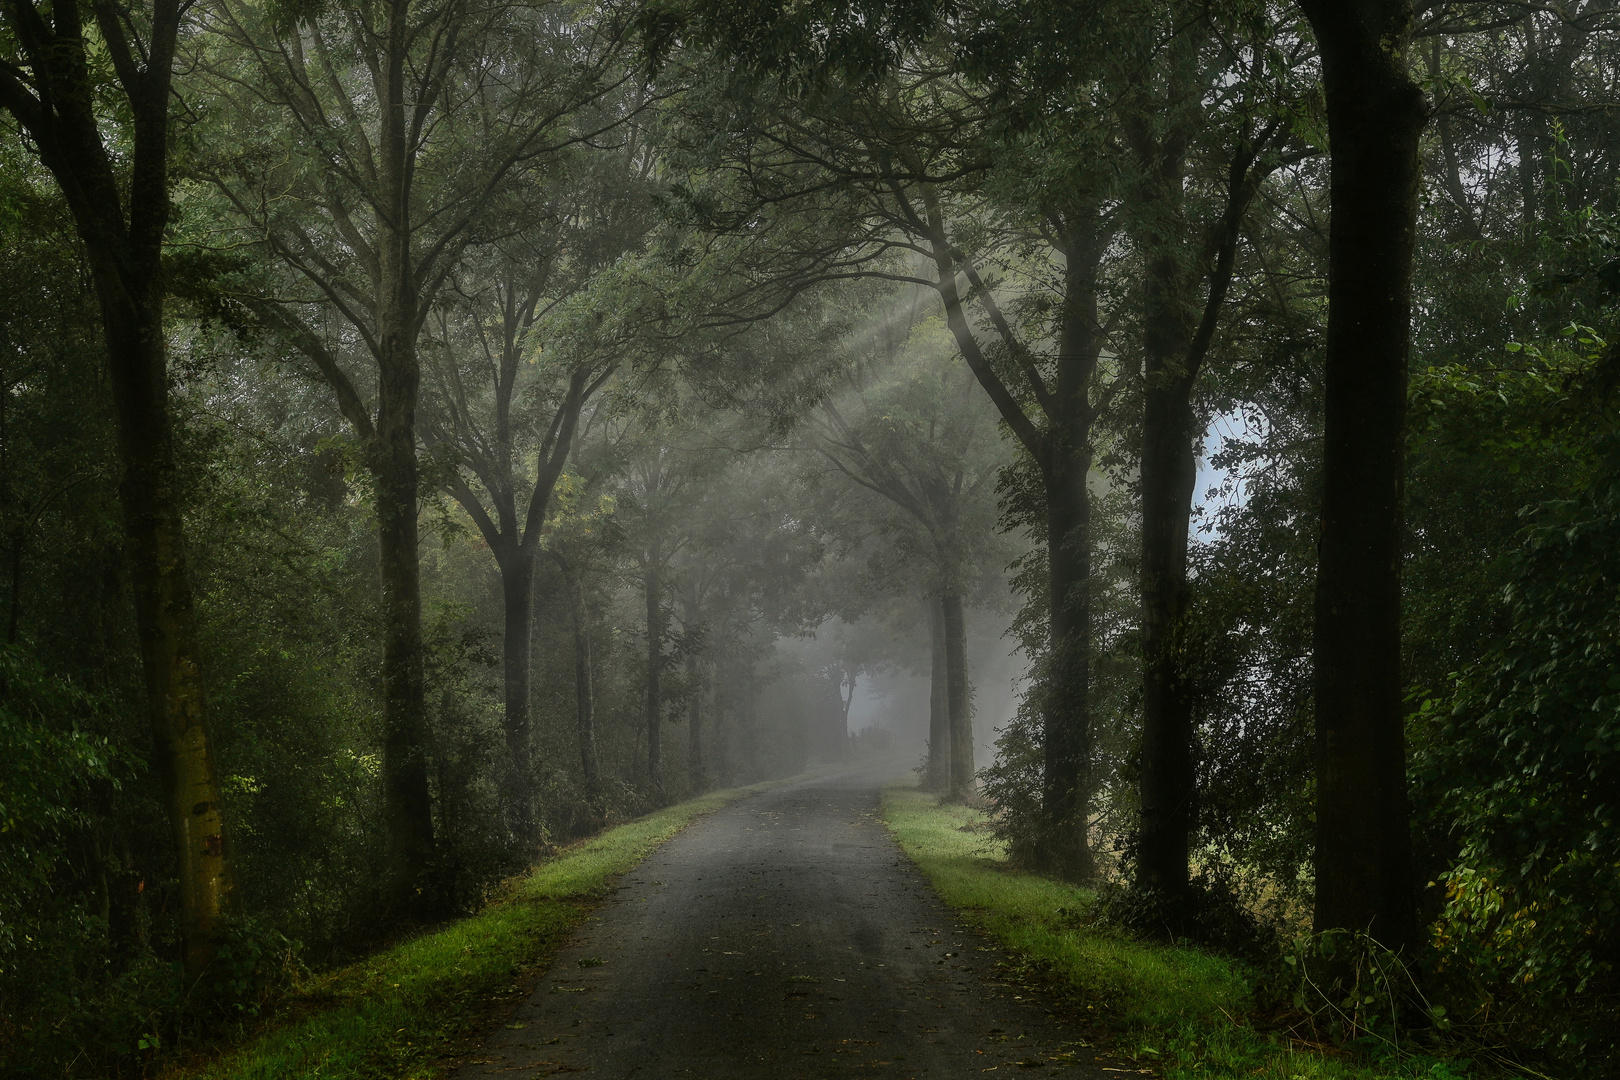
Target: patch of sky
{"x":1220,"y":485}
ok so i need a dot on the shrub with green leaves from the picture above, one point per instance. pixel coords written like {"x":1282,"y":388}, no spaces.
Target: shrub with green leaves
{"x":1526,"y":765}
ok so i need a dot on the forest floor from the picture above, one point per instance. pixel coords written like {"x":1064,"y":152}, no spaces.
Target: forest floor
{"x":784,"y":936}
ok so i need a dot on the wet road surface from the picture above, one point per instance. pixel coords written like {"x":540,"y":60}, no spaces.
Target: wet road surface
{"x":785,"y":936}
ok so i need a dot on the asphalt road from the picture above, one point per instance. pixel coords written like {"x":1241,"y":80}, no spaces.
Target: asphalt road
{"x":785,"y":936}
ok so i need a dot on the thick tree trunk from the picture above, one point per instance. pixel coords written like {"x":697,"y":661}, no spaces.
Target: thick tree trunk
{"x":1064,"y":849}
{"x":1168,"y":786}
{"x":407,"y":799}
{"x":517,"y":591}
{"x":939,"y":716}
{"x":958,"y":705}
{"x":1376,"y":115}
{"x":165,"y":619}
{"x":654,"y":713}
{"x":1169,"y":473}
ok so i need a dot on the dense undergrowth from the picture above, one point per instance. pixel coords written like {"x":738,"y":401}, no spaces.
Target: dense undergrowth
{"x":403,"y":1012}
{"x":1183,"y":1011}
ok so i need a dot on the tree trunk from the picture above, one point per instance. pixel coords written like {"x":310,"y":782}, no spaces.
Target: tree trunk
{"x":1168,"y":786}
{"x":694,"y":728}
{"x":720,"y":742}
{"x":517,"y":590}
{"x":1375,"y":119}
{"x":1063,"y":848}
{"x":939,"y":718}
{"x":1169,"y":472}
{"x":847,"y":701}
{"x":407,"y":801}
{"x":653,"y":582}
{"x":959,"y":707}
{"x":584,"y":697}
{"x":165,"y":618}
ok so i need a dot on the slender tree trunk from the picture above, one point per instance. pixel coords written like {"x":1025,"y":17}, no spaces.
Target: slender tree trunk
{"x":517,"y":591}
{"x":720,"y":743}
{"x":584,"y":695}
{"x":694,"y":726}
{"x":939,"y":717}
{"x":1375,"y":119}
{"x":653,"y":581}
{"x":959,"y":707}
{"x":848,"y":702}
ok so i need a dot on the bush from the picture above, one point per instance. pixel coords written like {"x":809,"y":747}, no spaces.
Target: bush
{"x":1211,"y":913}
{"x":1521,"y":767}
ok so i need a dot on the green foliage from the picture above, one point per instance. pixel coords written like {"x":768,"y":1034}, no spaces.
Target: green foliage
{"x":1523,"y":760}
{"x":51,"y":770}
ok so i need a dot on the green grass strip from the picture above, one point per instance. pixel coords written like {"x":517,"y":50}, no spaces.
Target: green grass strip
{"x":397,"y":1015}
{"x":1176,"y":1009}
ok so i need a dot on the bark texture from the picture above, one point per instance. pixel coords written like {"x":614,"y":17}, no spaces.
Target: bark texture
{"x":1376,"y":115}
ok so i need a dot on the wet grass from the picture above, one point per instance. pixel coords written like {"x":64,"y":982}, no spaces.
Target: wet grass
{"x":403,"y":1013}
{"x":1179,"y":1011}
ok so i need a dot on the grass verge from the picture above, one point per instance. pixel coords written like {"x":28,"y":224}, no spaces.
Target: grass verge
{"x":401,"y":1013}
{"x":1179,"y":1010}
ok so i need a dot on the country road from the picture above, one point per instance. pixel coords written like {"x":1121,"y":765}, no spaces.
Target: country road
{"x":785,"y":936}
